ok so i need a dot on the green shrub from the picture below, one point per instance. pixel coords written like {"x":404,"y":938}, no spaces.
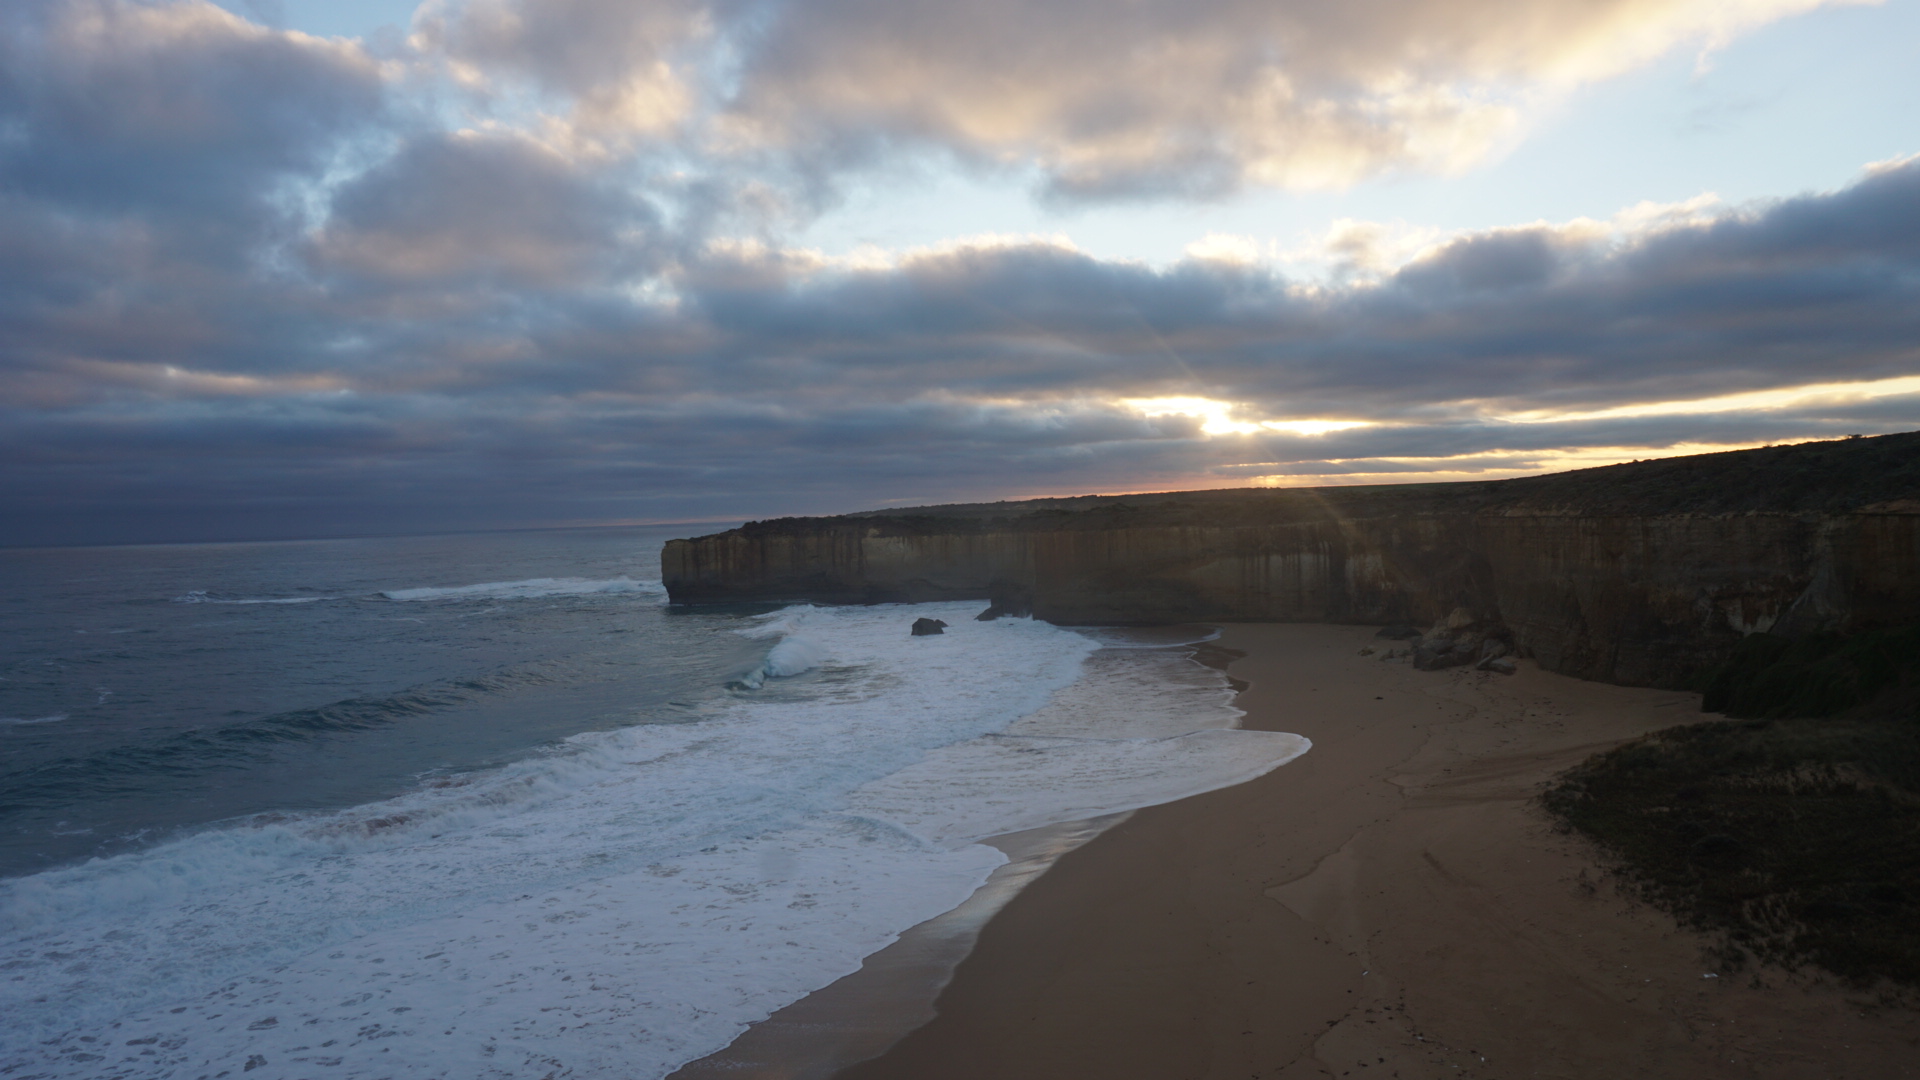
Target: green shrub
{"x":1796,"y":841}
{"x":1815,"y":675}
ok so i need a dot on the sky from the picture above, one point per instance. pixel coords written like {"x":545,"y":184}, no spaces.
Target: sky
{"x":289,"y":268}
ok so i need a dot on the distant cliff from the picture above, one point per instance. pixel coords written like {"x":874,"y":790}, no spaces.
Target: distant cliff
{"x":1641,"y":573}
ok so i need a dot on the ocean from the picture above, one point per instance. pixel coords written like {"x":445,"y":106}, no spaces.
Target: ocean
{"x":487,"y":806}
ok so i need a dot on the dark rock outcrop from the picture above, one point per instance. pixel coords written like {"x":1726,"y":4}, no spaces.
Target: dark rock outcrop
{"x":1643,"y":573}
{"x":1007,"y":599}
{"x":927,"y":627}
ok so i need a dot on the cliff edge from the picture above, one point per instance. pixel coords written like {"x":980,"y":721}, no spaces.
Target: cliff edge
{"x":1643,"y":573}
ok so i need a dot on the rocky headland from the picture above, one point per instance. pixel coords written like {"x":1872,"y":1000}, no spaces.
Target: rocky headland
{"x":1436,"y":855}
{"x":1647,"y":573}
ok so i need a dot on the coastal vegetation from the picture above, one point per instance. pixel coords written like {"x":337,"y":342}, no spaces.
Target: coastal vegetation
{"x":1791,"y":830}
{"x":1826,"y":477}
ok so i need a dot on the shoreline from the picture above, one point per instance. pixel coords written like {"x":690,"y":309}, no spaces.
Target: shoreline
{"x":857,"y":1017}
{"x":1390,"y":904}
{"x":892,"y":992}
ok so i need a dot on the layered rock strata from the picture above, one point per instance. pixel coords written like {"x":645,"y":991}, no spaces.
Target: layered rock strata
{"x":1641,"y":573}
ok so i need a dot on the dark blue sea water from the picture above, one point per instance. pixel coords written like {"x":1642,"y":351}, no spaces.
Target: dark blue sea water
{"x":487,"y":806}
{"x":150,"y":688}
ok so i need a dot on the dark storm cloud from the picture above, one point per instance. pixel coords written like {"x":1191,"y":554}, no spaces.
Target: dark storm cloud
{"x":244,"y":291}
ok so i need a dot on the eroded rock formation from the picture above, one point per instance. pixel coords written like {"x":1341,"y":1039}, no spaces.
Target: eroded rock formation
{"x":1641,"y":573}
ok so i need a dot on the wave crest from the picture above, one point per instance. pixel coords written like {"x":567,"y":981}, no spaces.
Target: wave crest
{"x":794,"y":654}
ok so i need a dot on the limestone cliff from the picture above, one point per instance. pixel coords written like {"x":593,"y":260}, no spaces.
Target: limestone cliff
{"x":1639,"y":573}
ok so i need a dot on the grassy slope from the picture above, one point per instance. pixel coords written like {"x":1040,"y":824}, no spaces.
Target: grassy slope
{"x":1819,"y":477}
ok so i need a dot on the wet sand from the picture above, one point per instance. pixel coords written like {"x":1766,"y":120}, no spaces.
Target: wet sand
{"x":1392,"y":904}
{"x":893,"y":992}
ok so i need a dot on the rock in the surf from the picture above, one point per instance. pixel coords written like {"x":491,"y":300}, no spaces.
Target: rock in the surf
{"x":923,"y":627}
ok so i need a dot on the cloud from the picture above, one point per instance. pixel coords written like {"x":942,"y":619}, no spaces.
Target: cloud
{"x":751,"y":379}
{"x":118,"y":107}
{"x":1150,"y":98}
{"x":1197,"y":97}
{"x":155,"y":163}
{"x":457,"y":210}
{"x":254,"y":282}
{"x":1564,"y":317}
{"x":612,"y":69}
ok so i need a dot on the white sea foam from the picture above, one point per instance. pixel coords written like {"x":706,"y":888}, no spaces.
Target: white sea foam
{"x":18,"y":721}
{"x":628,"y":902}
{"x":1138,"y":730}
{"x":532,"y":588}
{"x":795,"y":654}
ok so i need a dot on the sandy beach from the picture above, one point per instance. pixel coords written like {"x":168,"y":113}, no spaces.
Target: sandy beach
{"x":1392,"y":904}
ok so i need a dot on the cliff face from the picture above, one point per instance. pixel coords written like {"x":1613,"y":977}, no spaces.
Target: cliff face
{"x":1638,"y":574}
